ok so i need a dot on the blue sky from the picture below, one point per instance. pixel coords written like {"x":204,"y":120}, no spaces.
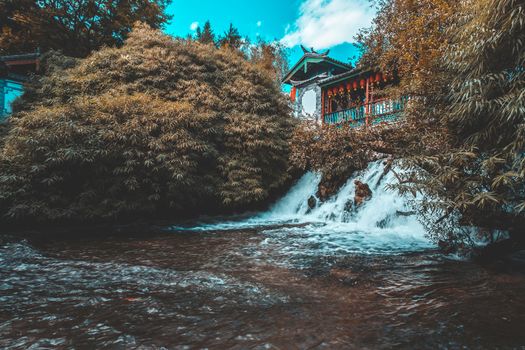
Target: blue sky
{"x":322,"y":24}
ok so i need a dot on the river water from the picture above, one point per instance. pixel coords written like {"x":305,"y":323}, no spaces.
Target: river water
{"x":290,"y":278}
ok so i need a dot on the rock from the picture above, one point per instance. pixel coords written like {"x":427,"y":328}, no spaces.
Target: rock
{"x":348,"y":211}
{"x":405,"y":213}
{"x":446,"y":247}
{"x":348,"y":206}
{"x":323,"y":193}
{"x":312,"y":202}
{"x":362,"y":192}
{"x":388,"y":165}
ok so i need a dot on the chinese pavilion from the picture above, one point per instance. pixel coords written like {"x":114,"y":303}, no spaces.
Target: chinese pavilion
{"x":334,"y":92}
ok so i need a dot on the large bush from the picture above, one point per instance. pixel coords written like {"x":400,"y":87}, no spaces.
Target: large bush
{"x":156,"y":126}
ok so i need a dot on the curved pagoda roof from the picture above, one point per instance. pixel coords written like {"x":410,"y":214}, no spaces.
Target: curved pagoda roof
{"x":356,"y":72}
{"x":313,"y":65}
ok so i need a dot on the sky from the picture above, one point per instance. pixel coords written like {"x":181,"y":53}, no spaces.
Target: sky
{"x":321,"y":24}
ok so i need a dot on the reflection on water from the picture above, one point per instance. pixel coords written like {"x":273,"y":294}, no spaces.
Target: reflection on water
{"x":262,"y":288}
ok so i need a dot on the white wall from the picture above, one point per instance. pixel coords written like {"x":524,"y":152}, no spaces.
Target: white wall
{"x":308,"y":102}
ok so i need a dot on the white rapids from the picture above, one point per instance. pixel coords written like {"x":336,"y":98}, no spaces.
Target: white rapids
{"x":381,"y":224}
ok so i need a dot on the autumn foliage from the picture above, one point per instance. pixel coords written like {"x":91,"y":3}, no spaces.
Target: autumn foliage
{"x":463,"y":61}
{"x":337,"y":152}
{"x":158,"y":126}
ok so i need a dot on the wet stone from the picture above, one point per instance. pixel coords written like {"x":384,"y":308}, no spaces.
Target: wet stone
{"x":312,"y":202}
{"x":362,"y":192}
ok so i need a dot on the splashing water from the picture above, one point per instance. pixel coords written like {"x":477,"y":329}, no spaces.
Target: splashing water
{"x":381,"y":224}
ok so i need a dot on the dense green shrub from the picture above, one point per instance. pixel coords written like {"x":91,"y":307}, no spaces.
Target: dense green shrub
{"x":156,"y":126}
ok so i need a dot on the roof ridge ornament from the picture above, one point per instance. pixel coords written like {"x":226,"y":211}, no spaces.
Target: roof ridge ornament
{"x":312,"y":51}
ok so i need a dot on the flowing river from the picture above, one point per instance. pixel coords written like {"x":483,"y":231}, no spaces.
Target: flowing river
{"x":331,"y":277}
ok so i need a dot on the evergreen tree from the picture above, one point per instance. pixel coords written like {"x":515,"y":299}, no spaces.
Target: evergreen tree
{"x":231,"y":39}
{"x":206,"y":35}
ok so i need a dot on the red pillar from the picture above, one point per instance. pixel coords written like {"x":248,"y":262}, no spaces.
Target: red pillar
{"x":322,"y":106}
{"x":367,"y":107}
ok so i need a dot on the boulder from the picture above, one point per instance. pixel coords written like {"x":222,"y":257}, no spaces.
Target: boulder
{"x":446,"y":247}
{"x":362,"y":192}
{"x":322,"y":193}
{"x":348,"y":206}
{"x":388,"y":165}
{"x":405,"y":213}
{"x":312,"y":202}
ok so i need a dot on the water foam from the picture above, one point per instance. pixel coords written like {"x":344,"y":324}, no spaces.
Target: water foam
{"x":379,"y":223}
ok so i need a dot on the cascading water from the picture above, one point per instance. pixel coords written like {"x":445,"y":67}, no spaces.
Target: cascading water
{"x":380,"y":224}
{"x":381,"y":211}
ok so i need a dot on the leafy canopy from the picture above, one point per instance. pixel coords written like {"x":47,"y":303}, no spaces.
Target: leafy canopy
{"x":157,"y":126}
{"x":464,"y":132}
{"x":74,"y":27}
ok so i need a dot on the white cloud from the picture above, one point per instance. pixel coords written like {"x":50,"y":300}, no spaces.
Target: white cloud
{"x":194,"y":26}
{"x":259,"y":23}
{"x":326,"y":23}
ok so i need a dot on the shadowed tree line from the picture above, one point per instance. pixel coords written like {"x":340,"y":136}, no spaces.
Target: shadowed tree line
{"x":74,"y":27}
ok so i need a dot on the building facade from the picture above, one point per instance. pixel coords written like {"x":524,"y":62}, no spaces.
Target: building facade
{"x":332,"y":92}
{"x":305,"y":79}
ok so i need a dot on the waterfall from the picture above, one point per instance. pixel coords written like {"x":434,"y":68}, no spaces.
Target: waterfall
{"x":385,"y":210}
{"x":337,"y":224}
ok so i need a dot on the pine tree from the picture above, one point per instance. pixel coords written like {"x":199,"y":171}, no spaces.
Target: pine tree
{"x":231,"y":39}
{"x":206,"y":35}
